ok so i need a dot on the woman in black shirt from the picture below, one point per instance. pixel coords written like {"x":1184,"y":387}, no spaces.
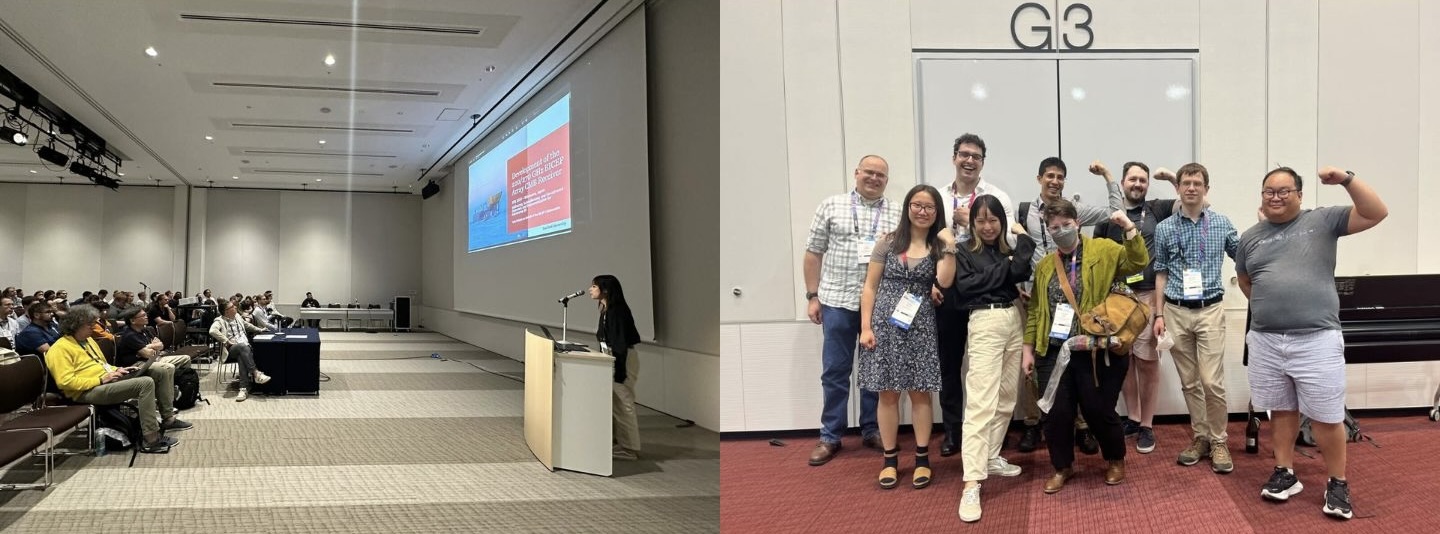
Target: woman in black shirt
{"x":618,"y":337}
{"x":987,"y":270}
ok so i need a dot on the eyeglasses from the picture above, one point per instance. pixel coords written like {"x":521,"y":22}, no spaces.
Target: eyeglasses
{"x":970,"y":155}
{"x":922,"y":208}
{"x":1277,"y":193}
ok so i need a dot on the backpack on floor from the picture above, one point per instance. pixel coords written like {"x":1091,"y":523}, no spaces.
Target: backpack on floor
{"x":1353,"y":434}
{"x":119,"y":426}
{"x":187,"y":388}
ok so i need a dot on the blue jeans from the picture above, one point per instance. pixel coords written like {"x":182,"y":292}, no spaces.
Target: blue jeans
{"x":842,"y":331}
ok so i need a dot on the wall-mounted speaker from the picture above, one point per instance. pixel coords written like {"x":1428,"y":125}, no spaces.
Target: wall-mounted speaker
{"x":431,"y":189}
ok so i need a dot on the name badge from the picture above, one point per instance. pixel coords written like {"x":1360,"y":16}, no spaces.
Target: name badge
{"x":1064,"y":319}
{"x":1194,"y":284}
{"x":1135,"y":278}
{"x":905,"y":311}
{"x":867,"y":247}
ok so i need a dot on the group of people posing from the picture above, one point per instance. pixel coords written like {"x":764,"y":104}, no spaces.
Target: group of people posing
{"x":959,"y":291}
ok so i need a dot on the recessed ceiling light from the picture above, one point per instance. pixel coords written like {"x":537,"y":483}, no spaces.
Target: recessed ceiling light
{"x":317,"y":179}
{"x":150,"y":51}
{"x":234,"y":177}
{"x":329,"y":60}
{"x":322,"y":141}
{"x":120,"y":173}
{"x":33,"y":171}
{"x":490,"y":68}
{"x":209,"y":138}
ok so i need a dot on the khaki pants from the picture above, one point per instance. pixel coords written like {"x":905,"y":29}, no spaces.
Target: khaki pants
{"x":154,"y":391}
{"x":992,"y":354}
{"x":627,"y":427}
{"x":1199,"y":354}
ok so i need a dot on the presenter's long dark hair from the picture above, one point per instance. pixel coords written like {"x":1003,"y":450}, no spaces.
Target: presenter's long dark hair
{"x":615,"y":310}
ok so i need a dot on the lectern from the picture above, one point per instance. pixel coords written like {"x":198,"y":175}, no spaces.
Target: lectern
{"x":567,"y":406}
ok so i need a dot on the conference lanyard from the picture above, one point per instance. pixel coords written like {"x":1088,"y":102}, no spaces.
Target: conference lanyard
{"x":955,"y":195}
{"x":91,"y":353}
{"x":1074,"y":271}
{"x":855,"y":214}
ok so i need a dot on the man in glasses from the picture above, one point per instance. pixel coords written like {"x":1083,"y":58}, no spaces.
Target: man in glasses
{"x":1286,"y":267}
{"x":1190,"y":249}
{"x":837,"y":255}
{"x":1052,"y":187}
{"x":951,"y":318}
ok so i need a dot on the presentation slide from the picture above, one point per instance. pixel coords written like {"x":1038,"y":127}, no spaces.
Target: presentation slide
{"x":520,"y":189}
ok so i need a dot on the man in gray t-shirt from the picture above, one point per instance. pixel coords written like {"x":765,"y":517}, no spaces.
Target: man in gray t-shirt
{"x":1291,"y":267}
{"x":1286,"y":267}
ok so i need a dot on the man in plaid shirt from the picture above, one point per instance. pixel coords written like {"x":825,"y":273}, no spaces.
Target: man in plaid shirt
{"x":837,"y":254}
{"x":1189,"y":250}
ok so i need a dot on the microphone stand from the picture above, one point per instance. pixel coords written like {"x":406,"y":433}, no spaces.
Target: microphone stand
{"x":565,"y":321}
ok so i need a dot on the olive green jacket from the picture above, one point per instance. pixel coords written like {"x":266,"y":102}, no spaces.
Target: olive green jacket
{"x":1101,"y":261}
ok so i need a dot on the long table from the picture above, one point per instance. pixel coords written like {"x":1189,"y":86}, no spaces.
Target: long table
{"x":346,"y":314}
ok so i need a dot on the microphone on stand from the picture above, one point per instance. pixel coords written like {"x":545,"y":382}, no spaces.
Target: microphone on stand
{"x":567,"y":298}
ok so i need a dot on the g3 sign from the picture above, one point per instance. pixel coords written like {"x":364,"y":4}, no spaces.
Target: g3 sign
{"x":1072,"y":16}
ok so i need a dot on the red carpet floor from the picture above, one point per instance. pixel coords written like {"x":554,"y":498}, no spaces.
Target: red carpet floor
{"x":1394,"y":488}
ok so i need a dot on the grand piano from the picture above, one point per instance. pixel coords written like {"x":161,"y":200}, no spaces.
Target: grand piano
{"x":1391,"y":318}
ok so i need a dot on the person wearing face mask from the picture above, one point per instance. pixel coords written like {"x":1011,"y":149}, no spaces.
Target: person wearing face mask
{"x":1189,"y":252}
{"x":1285,"y":265}
{"x":951,"y":316}
{"x":1142,"y":384}
{"x":837,"y":255}
{"x":1031,"y":215}
{"x":987,"y":271}
{"x":1081,"y":270}
{"x":897,"y":325}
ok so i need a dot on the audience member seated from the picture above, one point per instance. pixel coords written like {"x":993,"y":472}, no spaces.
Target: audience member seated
{"x":105,"y":296}
{"x":84,"y":299}
{"x":9,"y":326}
{"x":269,"y":319}
{"x":102,"y":325}
{"x":160,"y":310}
{"x":42,"y":331}
{"x":233,"y":333}
{"x":138,"y":343}
{"x":124,"y":301}
{"x":22,"y":315}
{"x":82,"y":374}
{"x":310,"y":302}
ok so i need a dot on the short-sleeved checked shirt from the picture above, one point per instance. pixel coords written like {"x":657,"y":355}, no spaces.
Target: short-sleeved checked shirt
{"x":839,"y":232}
{"x":1181,"y":243}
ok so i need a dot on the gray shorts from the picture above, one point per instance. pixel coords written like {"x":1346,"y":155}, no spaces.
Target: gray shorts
{"x":1304,"y":372}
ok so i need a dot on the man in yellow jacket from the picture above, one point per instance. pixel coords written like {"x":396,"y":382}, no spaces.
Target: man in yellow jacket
{"x":80,"y":369}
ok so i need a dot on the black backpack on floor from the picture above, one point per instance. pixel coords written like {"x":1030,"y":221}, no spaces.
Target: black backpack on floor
{"x":187,"y":388}
{"x":125,"y":419}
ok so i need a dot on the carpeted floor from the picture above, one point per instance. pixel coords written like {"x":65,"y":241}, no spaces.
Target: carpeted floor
{"x":396,"y":442}
{"x":1395,"y":488}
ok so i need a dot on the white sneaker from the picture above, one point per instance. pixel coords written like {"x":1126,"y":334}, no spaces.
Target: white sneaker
{"x":970,"y":504}
{"x":261,"y":378}
{"x":244,"y":394}
{"x":998,"y":466}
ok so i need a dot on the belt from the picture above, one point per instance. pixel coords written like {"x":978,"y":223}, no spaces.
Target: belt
{"x":1196,"y":304}
{"x":995,"y":306}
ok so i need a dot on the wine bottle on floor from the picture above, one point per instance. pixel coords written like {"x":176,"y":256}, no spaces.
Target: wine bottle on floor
{"x":1252,"y":434}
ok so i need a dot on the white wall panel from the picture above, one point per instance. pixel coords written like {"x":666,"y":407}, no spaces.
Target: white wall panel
{"x":1292,"y":92}
{"x":243,"y":245}
{"x":752,"y":157}
{"x":781,"y":373}
{"x":437,"y":215}
{"x":732,"y":383}
{"x":1428,"y":257}
{"x":140,"y":245}
{"x":817,"y":166}
{"x":878,"y":100}
{"x":314,"y":247}
{"x":384,"y":247}
{"x":1368,"y":101}
{"x":63,"y":224}
{"x":12,"y":234}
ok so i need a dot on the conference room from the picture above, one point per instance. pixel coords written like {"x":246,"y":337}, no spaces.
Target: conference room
{"x":467,"y":243}
{"x":810,"y":89}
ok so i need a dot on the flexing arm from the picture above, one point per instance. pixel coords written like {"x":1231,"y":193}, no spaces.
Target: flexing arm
{"x":1368,"y":210}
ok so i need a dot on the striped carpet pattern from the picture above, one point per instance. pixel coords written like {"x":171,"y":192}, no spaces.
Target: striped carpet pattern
{"x":397,"y":441}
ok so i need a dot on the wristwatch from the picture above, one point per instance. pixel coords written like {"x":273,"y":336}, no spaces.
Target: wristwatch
{"x":810,"y":295}
{"x":1348,"y":177}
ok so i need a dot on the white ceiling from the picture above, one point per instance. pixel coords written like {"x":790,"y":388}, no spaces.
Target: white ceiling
{"x":397,"y":98}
